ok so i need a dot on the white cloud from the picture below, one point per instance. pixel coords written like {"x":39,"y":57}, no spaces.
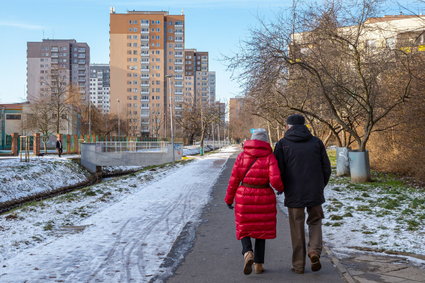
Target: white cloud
{"x":21,"y":25}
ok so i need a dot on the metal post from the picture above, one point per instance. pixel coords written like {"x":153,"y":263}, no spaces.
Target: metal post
{"x":171,"y":116}
{"x":119,"y":121}
{"x":89,"y":119}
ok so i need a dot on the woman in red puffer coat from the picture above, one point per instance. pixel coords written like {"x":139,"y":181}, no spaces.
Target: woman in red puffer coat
{"x":254,"y":173}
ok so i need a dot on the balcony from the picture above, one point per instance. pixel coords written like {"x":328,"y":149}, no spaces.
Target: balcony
{"x":178,"y":55}
{"x":144,"y":92}
{"x":145,"y":24}
{"x":144,"y":47}
{"x":145,"y":31}
{"x":145,"y":85}
{"x":178,"y":63}
{"x":179,"y":26}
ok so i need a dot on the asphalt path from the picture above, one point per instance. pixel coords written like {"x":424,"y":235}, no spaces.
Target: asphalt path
{"x":216,"y":254}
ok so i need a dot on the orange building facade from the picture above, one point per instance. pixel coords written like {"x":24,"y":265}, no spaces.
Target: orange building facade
{"x":146,"y":69}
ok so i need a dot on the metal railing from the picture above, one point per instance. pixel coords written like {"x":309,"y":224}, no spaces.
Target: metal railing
{"x":131,"y":146}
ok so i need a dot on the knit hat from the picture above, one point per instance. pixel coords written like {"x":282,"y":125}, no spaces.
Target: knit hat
{"x":260,"y":134}
{"x":295,"y":119}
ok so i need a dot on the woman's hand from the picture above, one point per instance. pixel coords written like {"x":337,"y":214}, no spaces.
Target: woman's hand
{"x":230,"y":206}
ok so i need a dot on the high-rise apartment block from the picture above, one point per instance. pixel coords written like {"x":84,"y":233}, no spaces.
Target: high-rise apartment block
{"x":100,"y":86}
{"x":147,"y":69}
{"x":196,"y":66}
{"x":61,"y":62}
{"x":211,"y":86}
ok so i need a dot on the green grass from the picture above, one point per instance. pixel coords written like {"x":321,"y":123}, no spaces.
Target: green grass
{"x":332,"y":157}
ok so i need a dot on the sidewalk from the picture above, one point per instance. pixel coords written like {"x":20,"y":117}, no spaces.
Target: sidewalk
{"x":216,"y":254}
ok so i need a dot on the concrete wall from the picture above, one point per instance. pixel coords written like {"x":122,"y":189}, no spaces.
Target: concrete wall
{"x":91,"y":156}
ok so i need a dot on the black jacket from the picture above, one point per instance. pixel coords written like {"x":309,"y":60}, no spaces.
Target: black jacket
{"x":304,"y":167}
{"x":59,"y":144}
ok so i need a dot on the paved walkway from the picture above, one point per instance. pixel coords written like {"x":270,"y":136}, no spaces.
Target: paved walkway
{"x":216,"y":254}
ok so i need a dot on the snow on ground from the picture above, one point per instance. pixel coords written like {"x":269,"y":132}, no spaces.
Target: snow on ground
{"x":40,"y":174}
{"x":382,"y":215}
{"x":133,"y":224}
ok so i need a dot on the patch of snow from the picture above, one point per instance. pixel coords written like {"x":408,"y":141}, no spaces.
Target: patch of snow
{"x":133,"y":224}
{"x":40,"y":174}
{"x":357,"y":218}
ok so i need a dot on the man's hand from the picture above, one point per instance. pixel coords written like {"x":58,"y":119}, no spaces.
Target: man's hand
{"x":279,"y":193}
{"x":230,"y":206}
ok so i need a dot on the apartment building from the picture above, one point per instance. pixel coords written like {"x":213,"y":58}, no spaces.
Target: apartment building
{"x":197,"y":69}
{"x":58,"y":63}
{"x":146,"y":67}
{"x":211,"y":85}
{"x":100,"y":86}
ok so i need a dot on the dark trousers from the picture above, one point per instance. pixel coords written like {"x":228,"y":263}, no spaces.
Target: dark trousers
{"x":59,"y":151}
{"x":260,"y":247}
{"x":296,"y":223}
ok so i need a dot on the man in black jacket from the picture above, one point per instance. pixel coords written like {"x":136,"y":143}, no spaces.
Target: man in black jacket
{"x":305,"y":170}
{"x":59,"y":145}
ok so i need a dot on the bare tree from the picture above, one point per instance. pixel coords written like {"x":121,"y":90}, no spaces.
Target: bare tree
{"x":39,"y":119}
{"x":320,"y":62}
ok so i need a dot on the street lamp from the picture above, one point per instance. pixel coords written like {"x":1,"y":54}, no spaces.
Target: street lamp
{"x":119,"y":121}
{"x":171,"y":113}
{"x":89,"y":120}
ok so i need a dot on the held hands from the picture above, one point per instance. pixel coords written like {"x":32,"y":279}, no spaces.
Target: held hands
{"x":230,"y":206}
{"x":279,"y":193}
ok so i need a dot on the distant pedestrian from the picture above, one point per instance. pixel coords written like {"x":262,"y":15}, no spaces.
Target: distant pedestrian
{"x":250,"y":187}
{"x":305,"y":170}
{"x":59,"y":145}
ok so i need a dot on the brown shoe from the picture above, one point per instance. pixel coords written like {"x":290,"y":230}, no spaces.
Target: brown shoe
{"x":297,"y":271}
{"x":258,"y":268}
{"x":315,"y":262}
{"x":249,"y":260}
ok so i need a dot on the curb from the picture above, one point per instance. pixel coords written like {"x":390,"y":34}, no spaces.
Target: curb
{"x":341,"y":268}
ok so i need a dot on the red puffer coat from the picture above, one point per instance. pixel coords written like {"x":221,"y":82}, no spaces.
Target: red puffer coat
{"x":255,"y":208}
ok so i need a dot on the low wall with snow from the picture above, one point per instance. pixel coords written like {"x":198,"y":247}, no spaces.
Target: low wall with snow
{"x":92,"y":156}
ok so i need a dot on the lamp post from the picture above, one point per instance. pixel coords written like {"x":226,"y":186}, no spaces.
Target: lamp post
{"x":119,"y":121}
{"x":89,"y":119}
{"x":171,"y":114}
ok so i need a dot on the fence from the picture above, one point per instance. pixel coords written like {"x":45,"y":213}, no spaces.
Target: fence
{"x":130,"y":146}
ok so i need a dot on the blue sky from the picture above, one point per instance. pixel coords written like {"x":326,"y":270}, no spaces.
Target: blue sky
{"x":216,"y":26}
